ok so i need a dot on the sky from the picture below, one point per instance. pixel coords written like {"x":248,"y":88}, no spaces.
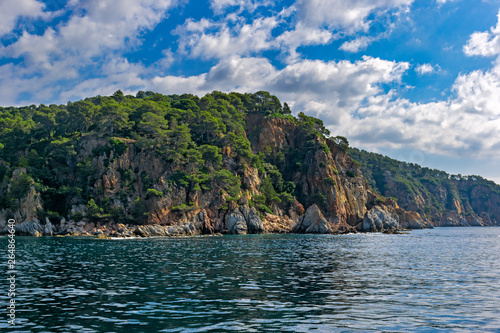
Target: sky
{"x":418,"y":81}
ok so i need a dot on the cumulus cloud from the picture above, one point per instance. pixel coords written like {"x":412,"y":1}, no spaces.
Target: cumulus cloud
{"x":301,"y":24}
{"x":427,"y":69}
{"x":70,"y":50}
{"x":218,"y":6}
{"x":236,"y":35}
{"x":208,"y":39}
{"x":452,"y":128}
{"x":301,"y":35}
{"x":348,"y":15}
{"x":11,"y":11}
{"x":107,"y":25}
{"x":485,"y":43}
{"x":357,"y":44}
{"x":466,"y":125}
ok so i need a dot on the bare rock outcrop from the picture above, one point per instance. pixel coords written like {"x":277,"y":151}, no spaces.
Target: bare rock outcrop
{"x":412,"y":220}
{"x":151,"y":230}
{"x":452,"y":219}
{"x":235,"y":223}
{"x":252,"y":218}
{"x":277,"y":224}
{"x":380,"y":218}
{"x":312,"y":222}
{"x":243,"y":220}
{"x":29,"y":228}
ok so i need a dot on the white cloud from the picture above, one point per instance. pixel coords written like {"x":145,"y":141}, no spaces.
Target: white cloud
{"x":467,"y":125}
{"x":484,"y":44}
{"x":207,"y":39}
{"x":301,"y":35}
{"x":450,"y":128}
{"x":66,"y":54}
{"x":242,"y":39}
{"x":348,"y":15}
{"x":218,"y":6}
{"x":107,"y":26}
{"x":357,"y":44}
{"x":427,"y":69}
{"x":305,"y":23}
{"x":10,"y":11}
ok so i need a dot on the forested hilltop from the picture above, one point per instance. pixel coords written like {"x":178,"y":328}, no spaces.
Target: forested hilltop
{"x":446,"y":200}
{"x":153,"y":164}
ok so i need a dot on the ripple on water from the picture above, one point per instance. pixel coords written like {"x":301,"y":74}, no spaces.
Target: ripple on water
{"x":439,"y":280}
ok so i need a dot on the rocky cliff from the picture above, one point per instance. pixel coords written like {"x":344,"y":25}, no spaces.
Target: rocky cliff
{"x":156,"y":165}
{"x":445,"y":200}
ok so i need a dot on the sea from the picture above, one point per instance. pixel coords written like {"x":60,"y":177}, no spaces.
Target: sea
{"x":438,"y":280}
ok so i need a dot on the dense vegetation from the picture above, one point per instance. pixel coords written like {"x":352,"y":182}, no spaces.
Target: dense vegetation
{"x":195,"y":137}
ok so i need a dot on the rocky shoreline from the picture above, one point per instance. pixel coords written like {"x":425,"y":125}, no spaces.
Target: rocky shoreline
{"x":238,"y":221}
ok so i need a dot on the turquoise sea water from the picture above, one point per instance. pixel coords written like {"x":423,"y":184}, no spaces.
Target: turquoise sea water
{"x":446,"y":279}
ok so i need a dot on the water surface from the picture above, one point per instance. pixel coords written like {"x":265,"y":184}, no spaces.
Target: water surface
{"x":446,"y":279}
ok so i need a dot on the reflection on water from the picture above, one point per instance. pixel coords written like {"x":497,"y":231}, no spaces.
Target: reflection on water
{"x":441,"y":279}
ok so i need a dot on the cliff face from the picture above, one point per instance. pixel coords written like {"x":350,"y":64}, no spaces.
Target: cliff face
{"x":180,"y":165}
{"x":446,"y":200}
{"x":320,"y":173}
{"x":144,"y":196}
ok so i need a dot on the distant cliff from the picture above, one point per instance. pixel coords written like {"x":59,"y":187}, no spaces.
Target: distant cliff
{"x":179,"y":165}
{"x":444,"y":199}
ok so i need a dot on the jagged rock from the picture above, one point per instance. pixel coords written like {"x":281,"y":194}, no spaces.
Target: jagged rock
{"x":474,"y":221}
{"x":452,"y":219}
{"x":252,"y":218}
{"x":29,"y":228}
{"x":412,"y":220}
{"x":48,"y":228}
{"x":175,"y":230}
{"x":276,"y":224}
{"x":343,"y":228}
{"x":380,"y":219}
{"x":151,"y":231}
{"x":312,"y":222}
{"x":251,"y":179}
{"x":190,"y":228}
{"x":235,"y":223}
{"x":206,"y":225}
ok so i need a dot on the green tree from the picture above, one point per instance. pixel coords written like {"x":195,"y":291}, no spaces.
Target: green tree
{"x":153,"y":125}
{"x":82,"y":115}
{"x":113,"y":116}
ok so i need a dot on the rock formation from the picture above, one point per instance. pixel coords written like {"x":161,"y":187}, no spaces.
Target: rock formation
{"x":225,"y":163}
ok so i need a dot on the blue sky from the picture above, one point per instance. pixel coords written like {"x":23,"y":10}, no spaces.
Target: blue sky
{"x":416,"y":80}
